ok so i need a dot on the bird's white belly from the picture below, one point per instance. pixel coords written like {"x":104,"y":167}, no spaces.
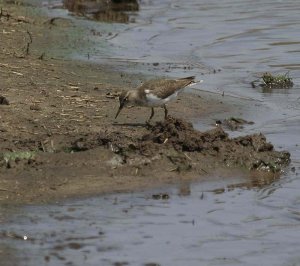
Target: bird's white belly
{"x":153,"y":100}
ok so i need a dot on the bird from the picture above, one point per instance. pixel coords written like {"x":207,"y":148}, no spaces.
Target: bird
{"x":155,"y":93}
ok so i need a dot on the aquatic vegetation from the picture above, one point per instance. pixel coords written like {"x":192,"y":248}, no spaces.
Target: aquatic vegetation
{"x":276,"y":81}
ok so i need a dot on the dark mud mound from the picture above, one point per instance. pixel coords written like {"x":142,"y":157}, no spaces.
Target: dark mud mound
{"x":254,"y":152}
{"x":183,"y":137}
{"x":175,"y":138}
{"x":251,"y":151}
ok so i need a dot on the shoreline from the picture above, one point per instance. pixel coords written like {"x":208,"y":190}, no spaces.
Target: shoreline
{"x":59,"y":138}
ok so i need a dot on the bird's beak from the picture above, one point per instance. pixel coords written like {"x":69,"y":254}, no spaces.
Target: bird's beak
{"x":119,"y":110}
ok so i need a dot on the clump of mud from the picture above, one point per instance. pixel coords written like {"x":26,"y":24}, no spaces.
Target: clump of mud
{"x":3,"y":101}
{"x":175,"y":136}
{"x":182,"y":136}
{"x":234,"y":123}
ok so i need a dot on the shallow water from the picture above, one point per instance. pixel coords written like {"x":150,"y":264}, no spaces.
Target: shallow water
{"x":218,"y":222}
{"x":212,"y":223}
{"x":241,"y":39}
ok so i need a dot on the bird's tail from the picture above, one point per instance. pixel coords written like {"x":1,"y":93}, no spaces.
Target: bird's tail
{"x":191,"y":80}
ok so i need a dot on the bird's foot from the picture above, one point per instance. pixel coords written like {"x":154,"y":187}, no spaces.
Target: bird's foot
{"x":167,"y":117}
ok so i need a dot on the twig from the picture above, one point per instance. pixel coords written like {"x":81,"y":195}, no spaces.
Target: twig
{"x":173,"y":169}
{"x":187,"y":156}
{"x":8,"y":66}
{"x":17,"y":73}
{"x":7,"y":190}
{"x":203,"y":170}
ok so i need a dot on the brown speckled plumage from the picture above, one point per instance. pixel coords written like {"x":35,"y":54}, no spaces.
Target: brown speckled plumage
{"x":154,"y":93}
{"x":163,"y":88}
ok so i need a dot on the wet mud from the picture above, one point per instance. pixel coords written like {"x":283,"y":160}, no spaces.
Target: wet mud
{"x":177,"y":140}
{"x":58,"y":136}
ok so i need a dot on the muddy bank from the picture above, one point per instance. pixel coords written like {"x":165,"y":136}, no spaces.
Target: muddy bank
{"x":58,"y":136}
{"x":179,"y":145}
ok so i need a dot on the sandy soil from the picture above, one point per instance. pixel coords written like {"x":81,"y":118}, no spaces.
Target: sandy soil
{"x":58,"y":136}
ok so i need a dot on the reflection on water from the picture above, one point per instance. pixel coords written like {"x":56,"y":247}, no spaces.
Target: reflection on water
{"x":215,"y":223}
{"x":227,"y":44}
{"x":254,"y":180}
{"x":103,"y":10}
{"x":234,"y":36}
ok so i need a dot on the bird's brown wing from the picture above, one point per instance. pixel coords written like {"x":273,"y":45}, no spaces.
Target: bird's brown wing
{"x":163,"y":88}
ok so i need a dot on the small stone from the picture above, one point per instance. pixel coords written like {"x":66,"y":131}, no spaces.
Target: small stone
{"x":3,"y":101}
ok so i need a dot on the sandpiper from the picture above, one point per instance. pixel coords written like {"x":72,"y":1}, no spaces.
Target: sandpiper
{"x":155,"y":93}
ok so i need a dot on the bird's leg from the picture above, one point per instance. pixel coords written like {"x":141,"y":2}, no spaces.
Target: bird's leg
{"x":152,"y":114}
{"x":166,"y":111}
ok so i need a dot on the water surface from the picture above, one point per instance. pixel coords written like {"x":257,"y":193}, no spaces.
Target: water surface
{"x":218,"y":222}
{"x":212,"y":223}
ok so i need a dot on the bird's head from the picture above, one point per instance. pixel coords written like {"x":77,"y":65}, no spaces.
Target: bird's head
{"x":124,"y":99}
